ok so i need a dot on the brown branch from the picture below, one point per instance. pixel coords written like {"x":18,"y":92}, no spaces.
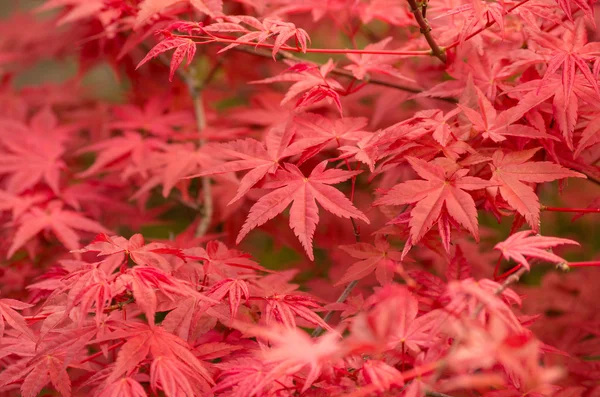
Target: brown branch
{"x":207,"y":199}
{"x":436,"y":50}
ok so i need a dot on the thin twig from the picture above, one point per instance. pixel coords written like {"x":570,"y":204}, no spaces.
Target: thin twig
{"x":512,"y":279}
{"x":207,"y":200}
{"x":436,"y":50}
{"x":213,"y":39}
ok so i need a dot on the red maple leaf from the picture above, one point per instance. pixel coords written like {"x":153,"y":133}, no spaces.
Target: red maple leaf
{"x":236,"y":290}
{"x":268,"y":28}
{"x":154,"y":117}
{"x":511,"y":170}
{"x":442,"y":189}
{"x":496,"y":127}
{"x":9,"y":315}
{"x":149,"y":8}
{"x":62,"y":223}
{"x":572,"y":52}
{"x":283,"y":309}
{"x":310,"y":79}
{"x":314,"y":132}
{"x":304,"y":193}
{"x":378,"y":257}
{"x":250,"y":154}
{"x":152,"y":254}
{"x":131,"y":147}
{"x":523,"y":245}
{"x":183,"y":47}
{"x":142,"y":340}
{"x":146,"y":281}
{"x":369,"y":63}
{"x":30,"y":154}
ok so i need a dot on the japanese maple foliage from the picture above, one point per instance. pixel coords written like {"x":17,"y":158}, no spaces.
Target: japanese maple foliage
{"x":300,"y":198}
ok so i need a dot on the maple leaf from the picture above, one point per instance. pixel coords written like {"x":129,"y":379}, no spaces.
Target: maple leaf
{"x":235,"y":289}
{"x":19,"y":204}
{"x":310,"y":78}
{"x":131,"y":146}
{"x":365,"y":63}
{"x":590,"y":136}
{"x":183,"y":47}
{"x":143,"y":254}
{"x":154,"y":117}
{"x":571,"y":53}
{"x":124,"y":387}
{"x":437,"y":124}
{"x":458,"y":267}
{"x":173,"y":165}
{"x":145,"y":281}
{"x":88,"y":286}
{"x":283,"y":309}
{"x":441,"y":189}
{"x":245,"y":376}
{"x":382,"y":375}
{"x":148,"y":8}
{"x":303,"y":192}
{"x":497,"y":127}
{"x":14,"y":319}
{"x":511,"y":170}
{"x":250,"y":154}
{"x":378,"y":257}
{"x":585,"y":5}
{"x":169,"y":375}
{"x":392,"y":321}
{"x":565,"y":110}
{"x":143,"y":340}
{"x":63,"y":224}
{"x":30,"y":154}
{"x":522,"y":244}
{"x":268,"y":28}
{"x":47,"y":369}
{"x":314,"y":132}
{"x":218,"y":258}
{"x":79,"y":9}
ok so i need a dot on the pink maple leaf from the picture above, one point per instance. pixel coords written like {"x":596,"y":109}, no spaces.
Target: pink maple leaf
{"x":61,"y":222}
{"x":521,"y":245}
{"x":511,"y":170}
{"x":304,"y":193}
{"x":310,"y":79}
{"x":379,"y":258}
{"x":440,"y":189}
{"x":154,"y":117}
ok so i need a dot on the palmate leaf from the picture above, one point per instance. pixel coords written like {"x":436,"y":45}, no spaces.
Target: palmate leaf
{"x":291,"y":186}
{"x":440,"y":189}
{"x":378,"y":257}
{"x":63,"y":224}
{"x":149,"y":8}
{"x":511,"y":172}
{"x":183,"y":47}
{"x":523,"y":245}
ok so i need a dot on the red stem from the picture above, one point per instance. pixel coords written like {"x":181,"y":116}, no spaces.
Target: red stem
{"x":508,"y":273}
{"x":93,"y":356}
{"x":225,"y":40}
{"x":583,"y":264}
{"x":578,"y":210}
